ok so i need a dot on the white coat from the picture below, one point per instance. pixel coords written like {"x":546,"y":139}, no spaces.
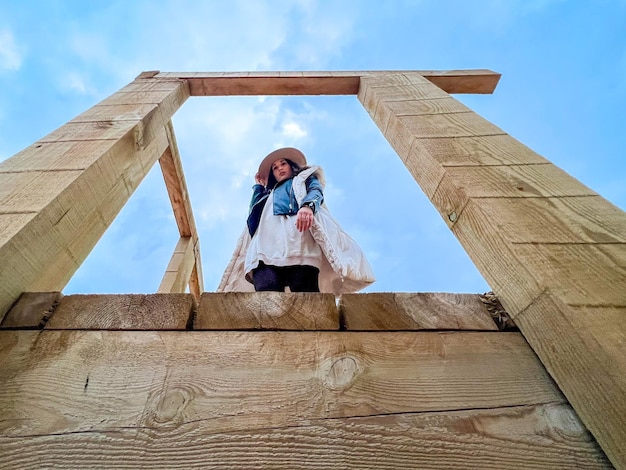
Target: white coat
{"x":344,"y":265}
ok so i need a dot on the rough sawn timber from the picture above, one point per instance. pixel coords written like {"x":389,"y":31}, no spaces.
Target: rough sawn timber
{"x":267,"y":311}
{"x":282,"y":400}
{"x":322,"y":83}
{"x":59,"y":195}
{"x":552,"y":249}
{"x":414,"y":311}
{"x":122,"y":312}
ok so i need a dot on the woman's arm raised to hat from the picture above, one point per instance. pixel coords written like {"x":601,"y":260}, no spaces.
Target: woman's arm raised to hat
{"x":259,"y":180}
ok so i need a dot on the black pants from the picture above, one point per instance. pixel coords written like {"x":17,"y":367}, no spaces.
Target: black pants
{"x":276,"y":278}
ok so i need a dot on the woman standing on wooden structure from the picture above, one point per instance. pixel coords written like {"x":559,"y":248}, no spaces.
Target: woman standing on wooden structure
{"x":291,"y":240}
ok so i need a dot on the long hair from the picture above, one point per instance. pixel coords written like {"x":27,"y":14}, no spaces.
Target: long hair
{"x":295,"y":169}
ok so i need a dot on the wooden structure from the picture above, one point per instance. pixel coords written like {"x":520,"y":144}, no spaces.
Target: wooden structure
{"x":379,"y":381}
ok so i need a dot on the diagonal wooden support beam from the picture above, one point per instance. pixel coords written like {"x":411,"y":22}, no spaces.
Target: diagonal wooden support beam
{"x":172,"y":169}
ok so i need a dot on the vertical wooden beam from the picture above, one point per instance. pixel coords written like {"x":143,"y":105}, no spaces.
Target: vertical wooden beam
{"x":60,"y":194}
{"x":172,"y":169}
{"x":553,"y":250}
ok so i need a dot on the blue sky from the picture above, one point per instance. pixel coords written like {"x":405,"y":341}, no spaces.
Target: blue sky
{"x":562,"y":93}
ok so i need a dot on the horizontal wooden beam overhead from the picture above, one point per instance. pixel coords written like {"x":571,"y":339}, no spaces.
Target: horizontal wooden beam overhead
{"x":322,"y":83}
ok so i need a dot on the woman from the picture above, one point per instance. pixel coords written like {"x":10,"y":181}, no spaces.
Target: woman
{"x":291,"y":240}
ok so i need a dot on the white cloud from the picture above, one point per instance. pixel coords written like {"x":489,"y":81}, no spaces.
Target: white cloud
{"x":293,"y":130}
{"x":76,"y":83}
{"x":10,"y":58}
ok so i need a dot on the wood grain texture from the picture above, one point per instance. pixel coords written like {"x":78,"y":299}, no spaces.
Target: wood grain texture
{"x":267,"y":311}
{"x":520,"y":438}
{"x":523,"y":249}
{"x":178,"y":272}
{"x":324,"y":83}
{"x":585,"y":274}
{"x":43,"y":156}
{"x":123,"y":312}
{"x":575,"y":219}
{"x":542,"y":180}
{"x":321,"y":400}
{"x":174,"y":176}
{"x":230,"y":380}
{"x":31,"y":310}
{"x":484,"y":150}
{"x":90,"y":173}
{"x":414,"y":311}
{"x":495,"y":257}
{"x":583,"y":348}
{"x":45,"y":252}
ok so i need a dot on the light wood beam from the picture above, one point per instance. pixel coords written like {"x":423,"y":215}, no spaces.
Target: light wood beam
{"x":178,"y":272}
{"x":414,"y":311}
{"x":552,"y":249}
{"x":60,"y":194}
{"x":267,"y":310}
{"x":321,"y":83}
{"x":295,"y":376}
{"x":327,"y":399}
{"x":122,"y":312}
{"x":174,"y":176}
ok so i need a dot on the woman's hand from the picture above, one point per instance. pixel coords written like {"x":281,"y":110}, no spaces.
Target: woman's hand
{"x":304,"y":219}
{"x":259,"y":180}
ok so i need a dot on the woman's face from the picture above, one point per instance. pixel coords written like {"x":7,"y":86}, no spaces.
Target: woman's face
{"x":281,"y":170}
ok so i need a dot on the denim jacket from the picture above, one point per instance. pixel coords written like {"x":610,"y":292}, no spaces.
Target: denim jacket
{"x":284,"y":200}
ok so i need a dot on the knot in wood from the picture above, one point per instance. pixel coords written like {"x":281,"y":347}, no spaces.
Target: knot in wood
{"x":342,"y":372}
{"x":171,"y":405}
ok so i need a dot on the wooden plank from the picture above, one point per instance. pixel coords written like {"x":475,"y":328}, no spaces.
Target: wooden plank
{"x":81,"y":203}
{"x":267,"y":311}
{"x":49,"y":247}
{"x":495,"y":258}
{"x":576,"y":219}
{"x":227,"y":86}
{"x":178,"y":272}
{"x":109,"y":380}
{"x":60,"y":156}
{"x":31,"y":310}
{"x":484,"y":151}
{"x":80,"y":131}
{"x":584,"y":351}
{"x":585,"y":274}
{"x":466,"y":124}
{"x":530,"y":437}
{"x":414,"y":311}
{"x":332,"y":83}
{"x":123,"y":312}
{"x":12,"y":223}
{"x":541,"y":180}
{"x":174,"y":176}
{"x":426,"y":107}
{"x":32,"y":191}
{"x":581,"y":273}
{"x":196,"y":281}
{"x":118,"y":112}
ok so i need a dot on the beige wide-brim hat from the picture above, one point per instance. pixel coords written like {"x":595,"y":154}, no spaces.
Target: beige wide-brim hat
{"x":288,"y":153}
